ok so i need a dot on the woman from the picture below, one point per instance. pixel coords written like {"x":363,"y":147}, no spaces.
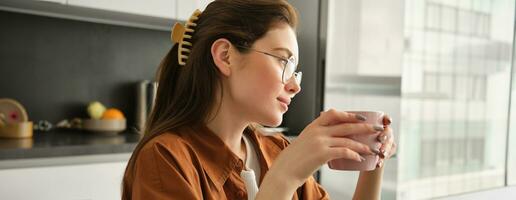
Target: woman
{"x":232,"y":70}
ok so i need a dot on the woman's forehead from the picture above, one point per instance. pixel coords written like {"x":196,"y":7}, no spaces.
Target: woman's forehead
{"x":279,"y":38}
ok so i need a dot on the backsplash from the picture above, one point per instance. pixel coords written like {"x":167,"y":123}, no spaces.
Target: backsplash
{"x":54,"y":67}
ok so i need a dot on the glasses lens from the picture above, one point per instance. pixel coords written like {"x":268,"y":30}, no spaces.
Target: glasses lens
{"x":288,"y":71}
{"x":298,"y":76}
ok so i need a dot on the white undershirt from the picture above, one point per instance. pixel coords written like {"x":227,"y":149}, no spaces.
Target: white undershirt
{"x":251,"y":171}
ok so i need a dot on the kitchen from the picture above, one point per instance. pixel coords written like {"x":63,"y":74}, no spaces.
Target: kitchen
{"x":441,"y":70}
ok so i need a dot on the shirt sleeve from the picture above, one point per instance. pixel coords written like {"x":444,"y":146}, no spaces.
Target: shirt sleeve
{"x":162,"y":174}
{"x":310,"y":190}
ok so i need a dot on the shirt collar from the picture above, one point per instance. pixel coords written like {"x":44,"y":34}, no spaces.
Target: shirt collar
{"x":219,"y":161}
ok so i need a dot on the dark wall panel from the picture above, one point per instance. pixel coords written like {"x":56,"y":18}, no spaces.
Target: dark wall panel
{"x":308,"y":103}
{"x":54,"y":67}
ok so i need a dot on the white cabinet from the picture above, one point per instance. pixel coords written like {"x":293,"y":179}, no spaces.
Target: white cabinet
{"x":98,"y":181}
{"x":171,"y":9}
{"x":54,"y":1}
{"x":154,"y":8}
{"x":149,"y":14}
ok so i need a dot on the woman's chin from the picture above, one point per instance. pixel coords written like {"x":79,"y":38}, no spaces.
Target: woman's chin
{"x":273,"y":120}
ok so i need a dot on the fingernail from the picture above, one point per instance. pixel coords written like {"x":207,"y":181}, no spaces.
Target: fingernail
{"x":376,"y":151}
{"x":380,"y":163}
{"x":360,"y":117}
{"x":382,"y":153}
{"x":382,"y":138}
{"x":389,"y":120}
{"x":378,"y":128}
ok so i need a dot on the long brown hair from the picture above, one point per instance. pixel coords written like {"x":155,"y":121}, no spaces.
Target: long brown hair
{"x":186,"y":94}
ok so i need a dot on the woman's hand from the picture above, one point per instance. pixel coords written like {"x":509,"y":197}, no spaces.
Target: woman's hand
{"x":321,"y":141}
{"x":388,"y":147}
{"x":369,"y":182}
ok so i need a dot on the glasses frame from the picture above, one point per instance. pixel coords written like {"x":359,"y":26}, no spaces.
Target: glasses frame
{"x":288,"y":61}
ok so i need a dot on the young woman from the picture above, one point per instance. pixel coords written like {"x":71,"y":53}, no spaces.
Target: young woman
{"x":232,"y":70}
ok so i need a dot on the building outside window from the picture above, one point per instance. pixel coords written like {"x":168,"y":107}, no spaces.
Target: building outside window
{"x":442,"y":69}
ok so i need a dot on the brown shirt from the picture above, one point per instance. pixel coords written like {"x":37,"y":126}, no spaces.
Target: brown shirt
{"x":196,"y":164}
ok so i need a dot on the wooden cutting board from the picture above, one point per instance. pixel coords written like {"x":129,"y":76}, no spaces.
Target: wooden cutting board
{"x":14,"y":121}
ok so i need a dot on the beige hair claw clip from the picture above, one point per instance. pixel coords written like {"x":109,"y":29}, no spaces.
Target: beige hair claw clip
{"x":180,"y":33}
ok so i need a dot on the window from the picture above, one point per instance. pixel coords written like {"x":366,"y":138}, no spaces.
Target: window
{"x":453,"y":74}
{"x":459,"y":115}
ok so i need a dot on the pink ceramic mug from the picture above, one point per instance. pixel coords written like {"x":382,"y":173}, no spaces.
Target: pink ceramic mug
{"x":372,"y":117}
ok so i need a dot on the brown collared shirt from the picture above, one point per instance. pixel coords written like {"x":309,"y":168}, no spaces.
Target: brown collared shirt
{"x":196,"y":164}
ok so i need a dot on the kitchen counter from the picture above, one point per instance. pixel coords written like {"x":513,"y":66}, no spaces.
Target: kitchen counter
{"x":65,"y":146}
{"x":68,"y":147}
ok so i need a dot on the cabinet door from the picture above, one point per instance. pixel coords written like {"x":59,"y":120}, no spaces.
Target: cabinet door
{"x":54,"y":1}
{"x":185,"y":8}
{"x":97,"y":181}
{"x":154,"y":8}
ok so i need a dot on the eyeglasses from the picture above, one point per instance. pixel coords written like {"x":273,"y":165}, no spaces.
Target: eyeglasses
{"x":289,"y":66}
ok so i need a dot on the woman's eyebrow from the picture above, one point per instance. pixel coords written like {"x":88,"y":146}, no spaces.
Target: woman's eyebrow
{"x":289,"y":53}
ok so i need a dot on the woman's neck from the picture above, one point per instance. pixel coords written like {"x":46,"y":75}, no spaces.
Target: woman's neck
{"x":229,"y":126}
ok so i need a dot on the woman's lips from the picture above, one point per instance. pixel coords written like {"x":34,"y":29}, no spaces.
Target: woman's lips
{"x":284,"y":102}
{"x":284,"y":105}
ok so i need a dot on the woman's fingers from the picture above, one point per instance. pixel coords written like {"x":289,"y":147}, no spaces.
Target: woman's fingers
{"x":388,"y":154}
{"x":385,"y":135}
{"x":332,"y":116}
{"x":358,"y":147}
{"x":386,"y":150}
{"x":346,"y":153}
{"x":380,"y":163}
{"x":387,"y":120}
{"x":346,"y":129}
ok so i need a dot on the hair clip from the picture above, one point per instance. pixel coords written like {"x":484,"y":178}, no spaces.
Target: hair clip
{"x":180,"y":33}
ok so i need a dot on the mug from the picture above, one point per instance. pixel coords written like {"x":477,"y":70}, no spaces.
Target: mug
{"x":374,"y":118}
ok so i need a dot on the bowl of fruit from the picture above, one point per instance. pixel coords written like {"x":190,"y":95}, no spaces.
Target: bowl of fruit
{"x":104,"y":120}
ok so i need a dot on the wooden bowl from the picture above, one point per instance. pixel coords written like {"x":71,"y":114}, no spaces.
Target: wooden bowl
{"x":16,"y":130}
{"x":104,"y":125}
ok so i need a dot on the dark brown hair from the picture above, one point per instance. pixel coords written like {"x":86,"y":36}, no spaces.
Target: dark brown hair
{"x":186,"y":94}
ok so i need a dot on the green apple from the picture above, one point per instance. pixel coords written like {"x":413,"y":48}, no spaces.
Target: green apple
{"x":96,"y":109}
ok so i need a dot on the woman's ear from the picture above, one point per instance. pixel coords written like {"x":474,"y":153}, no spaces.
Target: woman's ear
{"x":220,"y":52}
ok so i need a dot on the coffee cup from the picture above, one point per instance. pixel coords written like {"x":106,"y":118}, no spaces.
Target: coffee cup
{"x":373,"y":118}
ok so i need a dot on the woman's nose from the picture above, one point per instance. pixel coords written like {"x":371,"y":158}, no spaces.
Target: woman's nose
{"x":292,"y":86}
